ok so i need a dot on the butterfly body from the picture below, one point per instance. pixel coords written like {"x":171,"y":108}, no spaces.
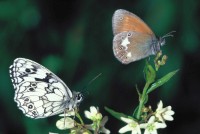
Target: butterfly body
{"x":38,"y":92}
{"x":133,"y":39}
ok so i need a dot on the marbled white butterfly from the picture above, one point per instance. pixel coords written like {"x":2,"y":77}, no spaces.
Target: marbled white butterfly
{"x":38,"y":92}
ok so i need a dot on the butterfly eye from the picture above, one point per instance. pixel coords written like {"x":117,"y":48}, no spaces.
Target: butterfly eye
{"x":30,"y":106}
{"x":79,"y":97}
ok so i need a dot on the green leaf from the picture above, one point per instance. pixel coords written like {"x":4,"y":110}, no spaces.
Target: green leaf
{"x":115,"y":114}
{"x":161,"y":81}
{"x":150,"y":73}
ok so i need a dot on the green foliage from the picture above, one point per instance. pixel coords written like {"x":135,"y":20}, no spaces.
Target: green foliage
{"x":161,"y":81}
{"x":150,"y":73}
{"x":117,"y":115}
{"x":140,"y":114}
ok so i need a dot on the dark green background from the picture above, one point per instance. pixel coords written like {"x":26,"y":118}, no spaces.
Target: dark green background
{"x":74,"y":40}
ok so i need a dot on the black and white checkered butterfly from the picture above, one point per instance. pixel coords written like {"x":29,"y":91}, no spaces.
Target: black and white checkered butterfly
{"x":38,"y":92}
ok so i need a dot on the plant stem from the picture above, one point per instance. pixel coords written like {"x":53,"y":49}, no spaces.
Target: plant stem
{"x":142,"y":100}
{"x":79,"y":117}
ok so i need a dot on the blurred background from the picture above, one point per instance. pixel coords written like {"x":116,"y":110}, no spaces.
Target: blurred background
{"x":73,"y":39}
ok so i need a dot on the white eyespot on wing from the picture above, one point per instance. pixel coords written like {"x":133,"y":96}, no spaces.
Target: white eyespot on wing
{"x":139,"y":44}
{"x":125,"y":42}
{"x":129,"y":54}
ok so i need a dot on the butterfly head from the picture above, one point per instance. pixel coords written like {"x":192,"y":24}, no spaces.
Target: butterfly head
{"x":77,"y":99}
{"x":161,"y":41}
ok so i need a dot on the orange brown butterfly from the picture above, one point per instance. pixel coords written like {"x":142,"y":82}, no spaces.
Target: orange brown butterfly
{"x":133,"y":39}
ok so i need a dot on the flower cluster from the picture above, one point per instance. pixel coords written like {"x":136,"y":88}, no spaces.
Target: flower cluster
{"x":98,"y":120}
{"x":156,"y":121}
{"x":97,"y":125}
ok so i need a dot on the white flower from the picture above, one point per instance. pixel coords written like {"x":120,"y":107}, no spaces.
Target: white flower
{"x":100,"y":127}
{"x":98,"y":122}
{"x":65,"y":123}
{"x":131,"y":126}
{"x":93,"y":114}
{"x":151,"y":126}
{"x":164,"y":113}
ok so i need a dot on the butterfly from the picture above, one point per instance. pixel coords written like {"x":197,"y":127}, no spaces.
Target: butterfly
{"x":133,"y":39}
{"x":39,"y":93}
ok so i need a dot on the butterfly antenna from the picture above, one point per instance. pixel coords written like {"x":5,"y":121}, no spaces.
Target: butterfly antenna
{"x":169,"y":34}
{"x":84,"y":90}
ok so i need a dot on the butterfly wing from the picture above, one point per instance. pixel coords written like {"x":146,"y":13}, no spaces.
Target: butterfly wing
{"x":38,"y":92}
{"x":131,"y":46}
{"x":124,"y":21}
